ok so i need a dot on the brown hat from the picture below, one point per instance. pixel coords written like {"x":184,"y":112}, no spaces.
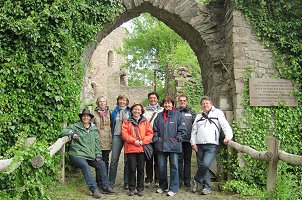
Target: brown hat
{"x":86,"y":112}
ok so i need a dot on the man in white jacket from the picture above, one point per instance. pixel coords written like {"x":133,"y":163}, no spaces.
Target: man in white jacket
{"x":205,"y":139}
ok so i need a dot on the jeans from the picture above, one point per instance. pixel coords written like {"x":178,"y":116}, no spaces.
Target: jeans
{"x":117,"y":145}
{"x":205,"y":156}
{"x":136,"y":164}
{"x":163,"y":177}
{"x":100,"y":170}
{"x":105,"y":158}
{"x":184,"y":164}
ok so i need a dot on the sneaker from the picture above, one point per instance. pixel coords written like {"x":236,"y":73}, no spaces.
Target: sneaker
{"x":171,"y":194}
{"x":147,"y":184}
{"x":96,"y":194}
{"x":131,"y":193}
{"x":107,"y":191}
{"x":159,"y":191}
{"x":195,"y":185}
{"x":205,"y":191}
{"x":140,"y":193}
{"x":126,"y":186}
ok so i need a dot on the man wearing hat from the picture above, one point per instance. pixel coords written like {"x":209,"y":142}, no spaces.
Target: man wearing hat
{"x":85,"y":151}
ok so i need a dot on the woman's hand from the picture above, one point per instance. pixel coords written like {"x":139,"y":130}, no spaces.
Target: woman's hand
{"x":138,"y":143}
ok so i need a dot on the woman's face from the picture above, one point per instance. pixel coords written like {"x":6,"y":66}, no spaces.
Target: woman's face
{"x":137,"y":111}
{"x":168,"y":105}
{"x":122,"y":102}
{"x":102,"y":103}
{"x":153,"y":99}
{"x":86,"y":118}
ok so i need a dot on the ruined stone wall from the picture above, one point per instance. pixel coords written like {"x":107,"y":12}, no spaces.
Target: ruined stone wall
{"x":105,"y":75}
{"x":244,"y":50}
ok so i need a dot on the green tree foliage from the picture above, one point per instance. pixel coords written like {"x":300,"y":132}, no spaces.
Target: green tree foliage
{"x":41,"y":74}
{"x":151,"y":38}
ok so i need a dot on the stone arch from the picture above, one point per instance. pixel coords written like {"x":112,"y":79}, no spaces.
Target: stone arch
{"x":222,"y":39}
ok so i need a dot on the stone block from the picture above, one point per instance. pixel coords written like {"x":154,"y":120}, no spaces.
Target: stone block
{"x":239,"y":86}
{"x":229,"y":116}
{"x":224,"y":103}
{"x":237,"y":101}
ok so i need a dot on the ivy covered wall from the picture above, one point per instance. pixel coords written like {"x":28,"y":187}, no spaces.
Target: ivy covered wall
{"x":41,"y":75}
{"x":278,"y":26}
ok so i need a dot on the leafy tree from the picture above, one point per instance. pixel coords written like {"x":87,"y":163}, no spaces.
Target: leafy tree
{"x":150,"y":39}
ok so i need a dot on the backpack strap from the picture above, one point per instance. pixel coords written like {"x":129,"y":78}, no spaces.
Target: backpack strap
{"x":153,"y":115}
{"x":136,"y":132}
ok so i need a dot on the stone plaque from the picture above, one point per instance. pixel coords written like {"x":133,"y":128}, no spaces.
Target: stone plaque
{"x":270,"y":92}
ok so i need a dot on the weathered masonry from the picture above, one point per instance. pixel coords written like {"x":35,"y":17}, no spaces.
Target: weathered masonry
{"x":222,"y":39}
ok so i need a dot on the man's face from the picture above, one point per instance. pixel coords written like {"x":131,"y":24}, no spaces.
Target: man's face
{"x":182,"y":102}
{"x":206,"y":105}
{"x":153,"y":99}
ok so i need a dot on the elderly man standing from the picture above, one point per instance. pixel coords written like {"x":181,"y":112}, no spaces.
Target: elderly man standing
{"x":184,"y":159}
{"x":205,"y":139}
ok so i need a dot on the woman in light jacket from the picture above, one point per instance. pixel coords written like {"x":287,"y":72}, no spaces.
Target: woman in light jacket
{"x":102,"y":121}
{"x":136,"y":132}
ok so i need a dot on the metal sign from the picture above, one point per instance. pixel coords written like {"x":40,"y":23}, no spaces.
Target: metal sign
{"x":271,"y":92}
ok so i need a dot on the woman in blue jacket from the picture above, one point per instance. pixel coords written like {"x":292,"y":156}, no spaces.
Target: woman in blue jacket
{"x":169,"y":132}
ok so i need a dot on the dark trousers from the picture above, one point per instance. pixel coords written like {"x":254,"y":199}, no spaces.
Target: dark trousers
{"x":149,"y":168}
{"x":136,"y":163}
{"x":184,"y":164}
{"x":105,"y":158}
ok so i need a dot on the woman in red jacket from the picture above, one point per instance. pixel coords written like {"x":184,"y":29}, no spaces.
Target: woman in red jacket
{"x":136,"y":132}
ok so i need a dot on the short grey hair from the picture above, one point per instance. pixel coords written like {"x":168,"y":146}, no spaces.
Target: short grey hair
{"x":99,"y":99}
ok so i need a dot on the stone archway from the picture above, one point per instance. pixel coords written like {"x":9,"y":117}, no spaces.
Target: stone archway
{"x":222,"y":39}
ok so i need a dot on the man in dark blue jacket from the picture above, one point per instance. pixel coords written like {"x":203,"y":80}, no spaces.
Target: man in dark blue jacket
{"x":184,"y":161}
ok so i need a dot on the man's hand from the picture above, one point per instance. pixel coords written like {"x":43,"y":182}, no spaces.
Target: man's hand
{"x":195,"y":148}
{"x":226,"y":140}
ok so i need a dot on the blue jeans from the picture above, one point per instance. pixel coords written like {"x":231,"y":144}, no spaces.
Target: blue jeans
{"x":100,"y":171}
{"x":117,"y":145}
{"x":163,"y":177}
{"x":205,"y":156}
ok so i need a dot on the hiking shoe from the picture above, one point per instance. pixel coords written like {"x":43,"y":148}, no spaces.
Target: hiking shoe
{"x":107,"y":191}
{"x":171,"y":193}
{"x":131,"y":193}
{"x":96,"y":194}
{"x":140,"y":193}
{"x":205,"y":191}
{"x":195,"y":185}
{"x":156,"y":184}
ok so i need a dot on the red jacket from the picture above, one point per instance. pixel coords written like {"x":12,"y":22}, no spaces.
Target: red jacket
{"x":144,"y":130}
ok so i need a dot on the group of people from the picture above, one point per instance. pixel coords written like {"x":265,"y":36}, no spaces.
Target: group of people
{"x":173,"y":132}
